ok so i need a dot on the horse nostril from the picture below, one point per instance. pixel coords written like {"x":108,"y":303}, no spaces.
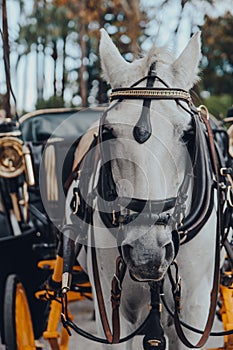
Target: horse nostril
{"x":127,"y":248}
{"x":169,"y":249}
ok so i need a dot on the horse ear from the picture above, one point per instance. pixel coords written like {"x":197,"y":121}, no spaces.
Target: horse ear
{"x":185,"y":67}
{"x":112,"y":63}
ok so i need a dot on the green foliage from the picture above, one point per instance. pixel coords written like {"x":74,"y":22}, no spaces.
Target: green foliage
{"x":219,"y":104}
{"x":217,"y":50}
{"x":65,"y":33}
{"x":52,"y":102}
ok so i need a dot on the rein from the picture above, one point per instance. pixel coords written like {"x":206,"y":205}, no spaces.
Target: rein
{"x":216,"y":279}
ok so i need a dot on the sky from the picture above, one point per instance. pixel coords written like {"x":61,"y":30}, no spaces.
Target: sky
{"x":162,"y":31}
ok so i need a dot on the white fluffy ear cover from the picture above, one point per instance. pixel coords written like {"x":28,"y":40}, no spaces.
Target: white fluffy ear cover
{"x":112,"y":63}
{"x":185,"y":67}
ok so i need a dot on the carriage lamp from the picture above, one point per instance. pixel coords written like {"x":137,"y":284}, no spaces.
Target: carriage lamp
{"x":15,"y":158}
{"x":11,"y":157}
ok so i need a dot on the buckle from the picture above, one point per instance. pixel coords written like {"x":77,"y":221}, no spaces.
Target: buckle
{"x":118,"y":281}
{"x":203,"y":113}
{"x":75,"y":200}
{"x":227,"y":172}
{"x":230,"y":196}
{"x":114,"y":220}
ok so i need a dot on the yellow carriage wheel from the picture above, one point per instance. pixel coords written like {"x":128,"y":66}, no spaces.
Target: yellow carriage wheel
{"x":18,"y":329}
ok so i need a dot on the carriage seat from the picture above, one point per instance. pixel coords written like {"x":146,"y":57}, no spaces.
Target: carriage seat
{"x":84,"y":144}
{"x":53,"y":136}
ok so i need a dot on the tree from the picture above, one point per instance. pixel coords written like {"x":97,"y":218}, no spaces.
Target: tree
{"x":74,"y":25}
{"x":6,"y":58}
{"x":121,"y":17}
{"x":46,"y":32}
{"x":67,"y":32}
{"x":217,"y":49}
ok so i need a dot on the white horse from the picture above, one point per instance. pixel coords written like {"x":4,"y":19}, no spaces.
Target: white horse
{"x":149,"y":165}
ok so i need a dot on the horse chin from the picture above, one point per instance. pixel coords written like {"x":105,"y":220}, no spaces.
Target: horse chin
{"x":136,"y":276}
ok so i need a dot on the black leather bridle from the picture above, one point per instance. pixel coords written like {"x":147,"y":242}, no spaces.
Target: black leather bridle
{"x":206,"y":177}
{"x":155,"y":212}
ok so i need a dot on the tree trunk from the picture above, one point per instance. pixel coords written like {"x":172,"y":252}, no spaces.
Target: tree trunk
{"x":6,"y":49}
{"x":25,"y":79}
{"x":39,"y":73}
{"x":82,"y":71}
{"x":132,"y":12}
{"x":54,"y":79}
{"x":63,"y":68}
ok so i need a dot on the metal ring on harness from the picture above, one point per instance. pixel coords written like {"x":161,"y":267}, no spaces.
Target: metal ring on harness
{"x":229,"y":196}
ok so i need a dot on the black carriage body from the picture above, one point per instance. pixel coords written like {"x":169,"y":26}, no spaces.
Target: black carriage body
{"x":21,"y":250}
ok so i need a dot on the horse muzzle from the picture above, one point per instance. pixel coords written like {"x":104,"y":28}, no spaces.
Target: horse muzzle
{"x":148,"y":262}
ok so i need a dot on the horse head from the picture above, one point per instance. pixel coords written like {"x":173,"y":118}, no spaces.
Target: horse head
{"x":147,"y":154}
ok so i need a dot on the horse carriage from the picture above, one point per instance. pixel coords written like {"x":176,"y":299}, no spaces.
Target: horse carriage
{"x":28,"y":236}
{"x":148,"y":204}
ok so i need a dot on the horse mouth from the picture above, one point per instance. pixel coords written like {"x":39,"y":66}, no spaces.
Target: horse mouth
{"x":147,"y":268}
{"x":136,"y":276}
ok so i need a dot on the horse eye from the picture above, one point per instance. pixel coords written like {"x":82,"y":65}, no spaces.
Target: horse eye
{"x":187,"y":135}
{"x":107,"y":133}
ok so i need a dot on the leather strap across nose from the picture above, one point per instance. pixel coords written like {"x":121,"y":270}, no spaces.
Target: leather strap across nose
{"x":143,"y":130}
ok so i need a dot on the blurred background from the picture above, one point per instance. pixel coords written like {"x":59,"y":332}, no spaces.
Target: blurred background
{"x":54,"y":47}
{"x":54,"y":62}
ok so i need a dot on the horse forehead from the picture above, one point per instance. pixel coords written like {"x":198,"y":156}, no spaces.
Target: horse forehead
{"x":137,"y":71}
{"x":164,"y":116}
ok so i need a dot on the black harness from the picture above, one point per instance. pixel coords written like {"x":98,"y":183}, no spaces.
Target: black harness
{"x":206,"y":177}
{"x":155,"y":211}
{"x":151,"y":211}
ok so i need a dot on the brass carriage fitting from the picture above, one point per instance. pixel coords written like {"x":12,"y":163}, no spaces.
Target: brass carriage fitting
{"x":28,"y":166}
{"x":203,"y":112}
{"x":24,"y":202}
{"x":15,"y":205}
{"x":154,"y":342}
{"x":11,"y":157}
{"x":227,"y":172}
{"x":66,"y":282}
{"x":160,"y":307}
{"x":76,"y":202}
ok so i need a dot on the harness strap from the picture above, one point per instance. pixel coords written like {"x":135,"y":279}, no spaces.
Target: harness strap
{"x":156,"y":206}
{"x":216,"y":278}
{"x":150,"y":93}
{"x":202,"y":204}
{"x":100,"y":299}
{"x":113,"y":336}
{"x":116,"y":297}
